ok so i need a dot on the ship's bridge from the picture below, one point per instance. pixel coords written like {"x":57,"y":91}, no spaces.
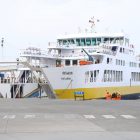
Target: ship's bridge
{"x":92,"y":39}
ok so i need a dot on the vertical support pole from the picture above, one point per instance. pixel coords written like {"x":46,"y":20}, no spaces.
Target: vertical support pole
{"x":40,"y":92}
{"x":13,"y":91}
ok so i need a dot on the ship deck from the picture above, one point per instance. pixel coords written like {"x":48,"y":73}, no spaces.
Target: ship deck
{"x":68,"y":119}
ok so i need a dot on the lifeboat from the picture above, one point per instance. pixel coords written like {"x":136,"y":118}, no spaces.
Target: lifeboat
{"x":85,"y":62}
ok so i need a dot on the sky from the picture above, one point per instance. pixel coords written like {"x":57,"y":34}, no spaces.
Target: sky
{"x":34,"y":23}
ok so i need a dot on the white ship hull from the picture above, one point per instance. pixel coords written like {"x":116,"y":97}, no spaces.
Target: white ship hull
{"x":66,"y":80}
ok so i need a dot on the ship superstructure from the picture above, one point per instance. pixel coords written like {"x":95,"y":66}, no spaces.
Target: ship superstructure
{"x":93,"y":63}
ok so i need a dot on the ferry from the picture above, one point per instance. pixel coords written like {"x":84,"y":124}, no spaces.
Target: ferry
{"x":93,"y":63}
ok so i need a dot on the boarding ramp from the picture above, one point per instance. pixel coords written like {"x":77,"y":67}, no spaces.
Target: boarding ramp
{"x":46,"y":86}
{"x":43,"y":84}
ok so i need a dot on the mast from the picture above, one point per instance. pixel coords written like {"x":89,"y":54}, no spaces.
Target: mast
{"x":93,"y":23}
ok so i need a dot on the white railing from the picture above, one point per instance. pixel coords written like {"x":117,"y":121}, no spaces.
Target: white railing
{"x":33,"y":52}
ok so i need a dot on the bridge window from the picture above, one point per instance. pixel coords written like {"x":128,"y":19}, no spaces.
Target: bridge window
{"x":112,"y":40}
{"x":126,"y":42}
{"x":88,"y":42}
{"x":98,"y":41}
{"x":121,"y":40}
{"x":83,"y":43}
{"x":117,"y":40}
{"x":106,"y":40}
{"x":60,"y":42}
{"x":93,"y":41}
{"x":72,"y":41}
{"x":78,"y":42}
{"x":64,"y":42}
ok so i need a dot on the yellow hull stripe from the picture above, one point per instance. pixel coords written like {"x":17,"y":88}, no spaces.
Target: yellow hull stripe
{"x":94,"y":93}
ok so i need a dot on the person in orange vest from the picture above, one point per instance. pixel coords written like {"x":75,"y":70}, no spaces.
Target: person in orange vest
{"x":108,"y":95}
{"x":114,"y":96}
{"x":118,"y":96}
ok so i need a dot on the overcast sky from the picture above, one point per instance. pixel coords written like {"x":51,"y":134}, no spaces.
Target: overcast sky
{"x":25,"y":23}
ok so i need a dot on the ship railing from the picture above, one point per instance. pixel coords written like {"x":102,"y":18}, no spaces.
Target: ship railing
{"x":67,"y":56}
{"x":14,"y":80}
{"x":104,"y":49}
{"x":52,"y":44}
{"x":33,"y":52}
{"x":57,"y":45}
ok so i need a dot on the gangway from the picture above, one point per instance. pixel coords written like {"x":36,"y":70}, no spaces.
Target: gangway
{"x":45,"y":85}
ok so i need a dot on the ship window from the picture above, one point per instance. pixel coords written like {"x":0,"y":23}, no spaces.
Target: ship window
{"x":58,"y":63}
{"x":123,"y":50}
{"x":111,"y":40}
{"x":91,"y":76}
{"x":114,"y":48}
{"x":119,"y":62}
{"x":116,"y":61}
{"x":74,"y":62}
{"x":98,"y":41}
{"x":120,"y":49}
{"x":121,"y":40}
{"x":64,"y":42}
{"x":113,"y":76}
{"x":107,"y":60}
{"x":60,"y":42}
{"x":126,"y":42}
{"x":96,"y":73}
{"x":72,"y":41}
{"x":88,"y":41}
{"x":106,"y":40}
{"x":68,"y":42}
{"x":123,"y":63}
{"x":93,"y":41}
{"x":67,"y":62}
{"x":86,"y":76}
{"x":78,"y":42}
{"x":83,"y":42}
{"x":121,"y":76}
{"x":105,"y":76}
{"x":117,"y":40}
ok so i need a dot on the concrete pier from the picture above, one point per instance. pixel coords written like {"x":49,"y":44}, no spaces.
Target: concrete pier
{"x":43,"y":119}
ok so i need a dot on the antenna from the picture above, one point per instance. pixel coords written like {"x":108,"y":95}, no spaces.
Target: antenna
{"x":2,"y":44}
{"x":79,"y":30}
{"x":93,"y":22}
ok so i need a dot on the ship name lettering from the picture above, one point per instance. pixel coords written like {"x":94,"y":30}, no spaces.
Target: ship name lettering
{"x":67,"y":73}
{"x":65,"y":78}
